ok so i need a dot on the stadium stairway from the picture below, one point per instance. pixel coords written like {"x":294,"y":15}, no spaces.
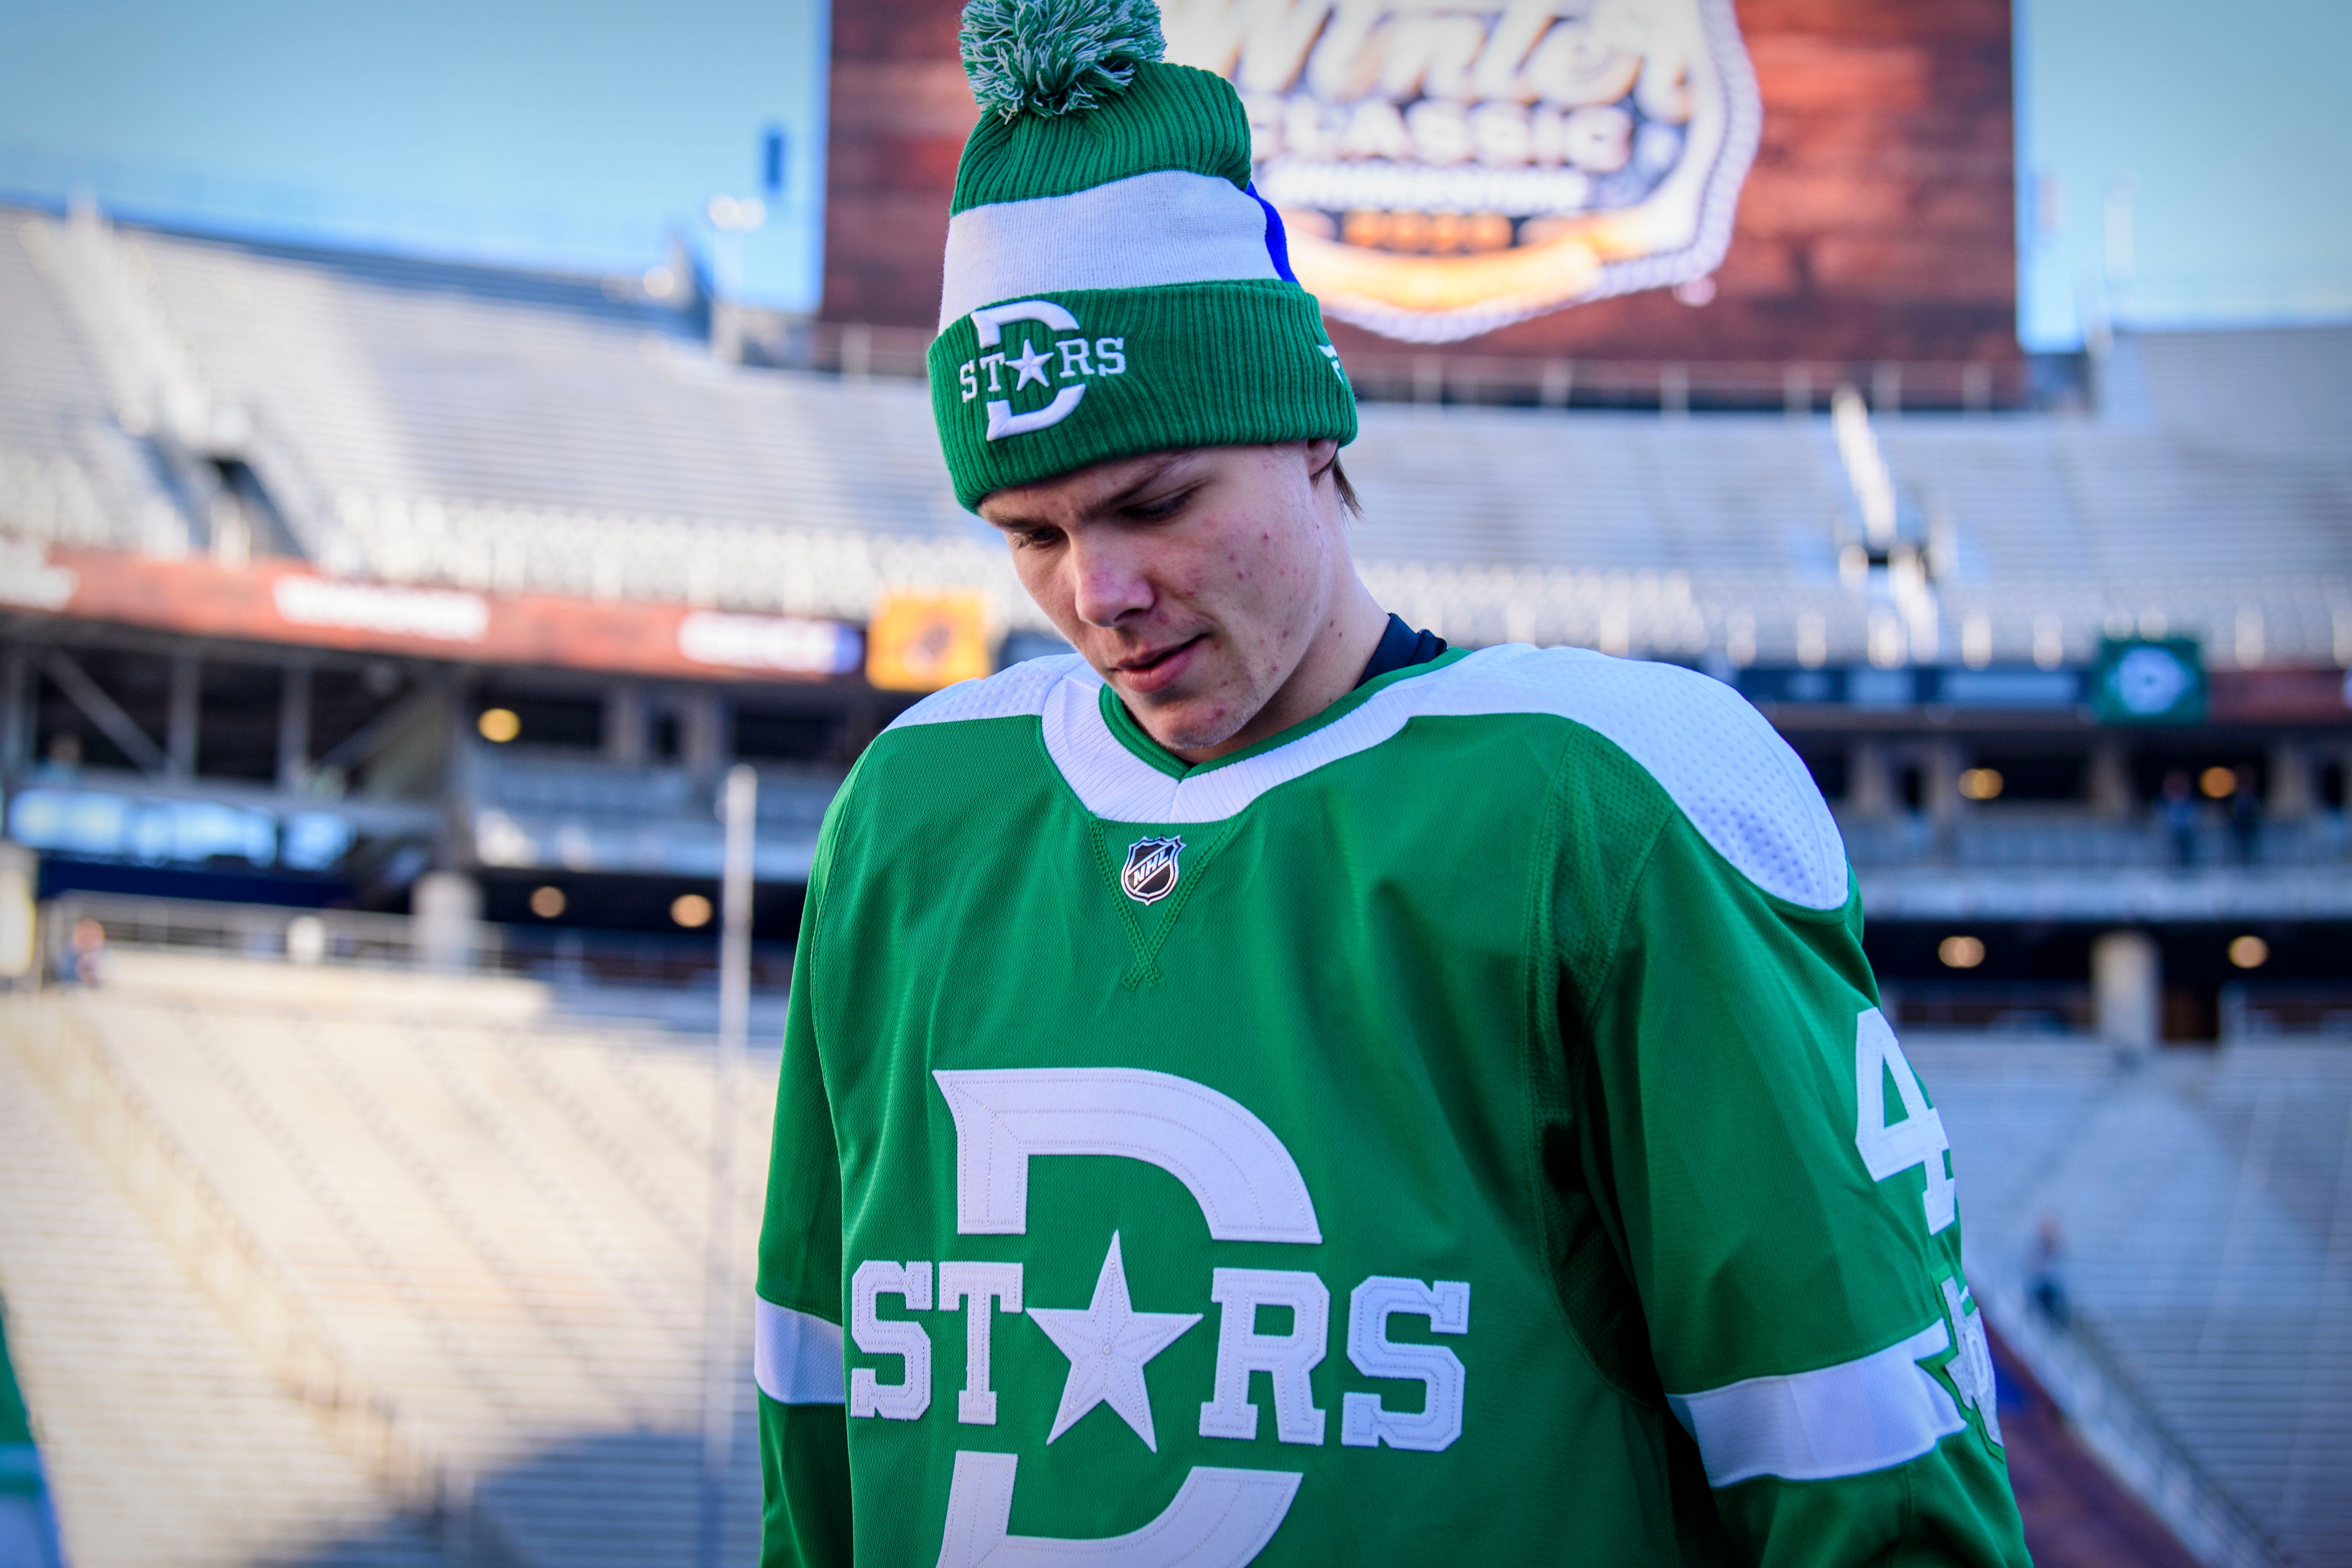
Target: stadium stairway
{"x":2205,"y":1206}
{"x":483,"y":1227}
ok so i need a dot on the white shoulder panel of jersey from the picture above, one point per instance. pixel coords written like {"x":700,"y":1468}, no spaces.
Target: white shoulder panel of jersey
{"x":1732,"y":775}
{"x":1741,"y":786}
{"x":1007,"y":694}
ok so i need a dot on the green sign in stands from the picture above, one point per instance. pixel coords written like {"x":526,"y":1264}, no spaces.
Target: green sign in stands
{"x":2148,"y":680}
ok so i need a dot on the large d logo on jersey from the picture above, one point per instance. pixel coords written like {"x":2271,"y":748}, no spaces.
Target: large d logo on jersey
{"x":1249,"y":1189}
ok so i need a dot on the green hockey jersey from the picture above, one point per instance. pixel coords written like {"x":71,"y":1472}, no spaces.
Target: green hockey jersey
{"x":1460,"y":1127}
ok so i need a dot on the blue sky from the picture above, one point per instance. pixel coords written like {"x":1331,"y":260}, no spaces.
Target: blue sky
{"x":567,"y":134}
{"x":2217,"y":135}
{"x":578,"y":135}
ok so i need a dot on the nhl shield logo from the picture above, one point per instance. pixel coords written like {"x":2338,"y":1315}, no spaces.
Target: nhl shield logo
{"x":1150,"y":874}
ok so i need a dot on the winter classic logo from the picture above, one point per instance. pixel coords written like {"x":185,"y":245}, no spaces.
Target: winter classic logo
{"x":1060,"y":369}
{"x":1444,"y":167}
{"x":1150,"y":874}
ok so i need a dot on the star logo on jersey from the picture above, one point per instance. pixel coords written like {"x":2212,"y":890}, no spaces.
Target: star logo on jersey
{"x":1107,"y":1342}
{"x":1150,"y":874}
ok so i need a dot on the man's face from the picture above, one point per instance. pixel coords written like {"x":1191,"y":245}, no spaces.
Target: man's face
{"x":1193,"y":580}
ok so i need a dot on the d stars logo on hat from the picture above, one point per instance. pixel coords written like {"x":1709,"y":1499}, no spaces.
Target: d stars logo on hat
{"x":1077,"y":360}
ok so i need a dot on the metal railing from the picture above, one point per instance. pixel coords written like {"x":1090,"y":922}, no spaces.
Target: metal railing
{"x":1999,"y":1006}
{"x":856,"y":350}
{"x":2098,"y":1396}
{"x":2018,"y":836}
{"x":360,"y":939}
{"x":2280,"y":1010}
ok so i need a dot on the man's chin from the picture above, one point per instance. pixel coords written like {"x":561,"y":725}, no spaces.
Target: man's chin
{"x":1181,"y":724}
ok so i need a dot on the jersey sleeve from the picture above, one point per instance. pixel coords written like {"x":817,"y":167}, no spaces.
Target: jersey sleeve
{"x":1782,"y":1200}
{"x":798,"y":1345}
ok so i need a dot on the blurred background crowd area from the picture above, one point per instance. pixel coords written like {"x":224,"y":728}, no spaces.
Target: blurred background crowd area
{"x":435,"y":454}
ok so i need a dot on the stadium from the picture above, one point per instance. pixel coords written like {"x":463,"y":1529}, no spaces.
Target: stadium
{"x":379,"y":634}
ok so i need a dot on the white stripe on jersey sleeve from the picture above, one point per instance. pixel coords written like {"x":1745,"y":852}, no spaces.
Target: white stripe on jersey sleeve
{"x":797,"y":1357}
{"x":1861,"y":1415}
{"x":1168,"y":226}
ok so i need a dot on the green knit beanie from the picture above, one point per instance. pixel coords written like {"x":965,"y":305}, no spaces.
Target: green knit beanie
{"x":1113,"y":284}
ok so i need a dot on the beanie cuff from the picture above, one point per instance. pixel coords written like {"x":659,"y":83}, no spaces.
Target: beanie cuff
{"x":1031,"y":388}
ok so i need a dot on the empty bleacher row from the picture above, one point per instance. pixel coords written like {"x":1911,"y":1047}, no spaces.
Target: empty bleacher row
{"x":68,"y":470}
{"x":502,"y":430}
{"x":2203,"y":1206}
{"x":494,"y":1224}
{"x":166,"y":1444}
{"x":2025,"y":839}
{"x":492,"y":1221}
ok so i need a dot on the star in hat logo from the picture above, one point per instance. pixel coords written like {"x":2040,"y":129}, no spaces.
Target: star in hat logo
{"x":1107,"y":1344}
{"x":1031,"y":364}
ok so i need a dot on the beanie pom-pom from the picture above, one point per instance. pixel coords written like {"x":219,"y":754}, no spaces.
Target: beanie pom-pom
{"x":1054,"y":56}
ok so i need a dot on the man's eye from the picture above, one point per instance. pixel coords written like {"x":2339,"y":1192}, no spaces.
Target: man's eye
{"x":1037,"y":538}
{"x":1155,"y":511}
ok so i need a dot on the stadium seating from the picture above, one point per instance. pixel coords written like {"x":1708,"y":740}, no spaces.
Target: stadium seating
{"x":166,"y":1445}
{"x":472,"y":1228}
{"x":497,"y":1213}
{"x":503,"y":430}
{"x":68,"y":468}
{"x":495,"y":1221}
{"x":2205,"y":1201}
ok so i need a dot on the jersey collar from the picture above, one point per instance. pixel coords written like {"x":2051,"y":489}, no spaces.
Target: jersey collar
{"x":1119,"y":772}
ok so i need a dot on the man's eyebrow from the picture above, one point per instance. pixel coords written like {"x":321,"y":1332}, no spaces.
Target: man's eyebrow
{"x":1012,"y":524}
{"x":1143,"y":481}
{"x":1122,"y":496}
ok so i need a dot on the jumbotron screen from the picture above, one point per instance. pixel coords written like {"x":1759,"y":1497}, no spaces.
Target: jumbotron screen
{"x":1657,"y":179}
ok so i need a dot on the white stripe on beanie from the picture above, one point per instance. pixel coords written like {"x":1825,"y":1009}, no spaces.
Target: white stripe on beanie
{"x":1168,"y":226}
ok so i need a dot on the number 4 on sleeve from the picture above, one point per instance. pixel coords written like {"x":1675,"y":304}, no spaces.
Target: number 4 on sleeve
{"x":1918,"y":1138}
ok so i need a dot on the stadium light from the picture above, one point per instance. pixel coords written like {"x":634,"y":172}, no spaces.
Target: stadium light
{"x":1961,"y":951}
{"x":498,"y":725}
{"x":547,"y":903}
{"x":1981,"y":784}
{"x":2249,"y":952}
{"x":733,"y":217}
{"x":737,"y":215}
{"x":2219,"y":783}
{"x":691,"y":911}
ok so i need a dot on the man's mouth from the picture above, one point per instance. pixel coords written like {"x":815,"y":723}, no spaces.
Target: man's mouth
{"x":1154,"y":671}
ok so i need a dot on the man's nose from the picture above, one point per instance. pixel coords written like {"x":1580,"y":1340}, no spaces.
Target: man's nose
{"x":1110,"y":582}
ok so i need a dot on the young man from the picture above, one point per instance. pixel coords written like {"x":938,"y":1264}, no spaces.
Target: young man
{"x":1268,"y":1088}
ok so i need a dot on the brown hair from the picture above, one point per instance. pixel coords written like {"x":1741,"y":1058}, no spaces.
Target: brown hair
{"x":1349,"y":503}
